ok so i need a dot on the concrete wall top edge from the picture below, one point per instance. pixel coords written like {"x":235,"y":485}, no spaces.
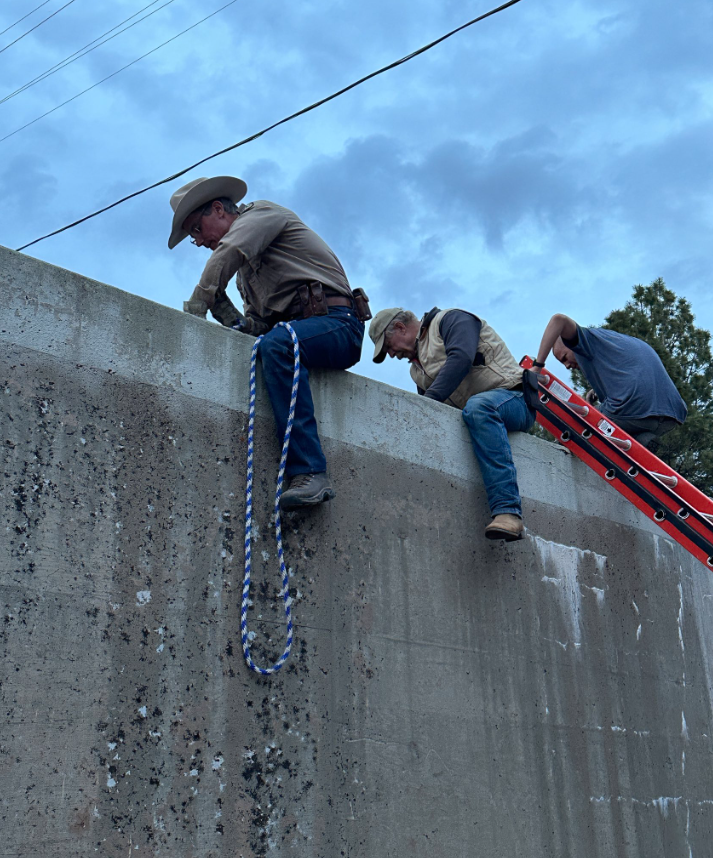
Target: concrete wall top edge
{"x":75,"y":319}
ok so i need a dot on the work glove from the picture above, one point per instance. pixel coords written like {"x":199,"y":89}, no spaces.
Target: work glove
{"x":225,"y":311}
{"x":252,"y":326}
{"x":195,"y":307}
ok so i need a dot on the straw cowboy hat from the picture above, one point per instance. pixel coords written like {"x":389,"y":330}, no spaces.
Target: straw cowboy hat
{"x":196,"y":194}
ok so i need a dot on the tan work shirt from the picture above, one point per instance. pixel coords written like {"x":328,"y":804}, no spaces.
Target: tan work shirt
{"x":272,"y":252}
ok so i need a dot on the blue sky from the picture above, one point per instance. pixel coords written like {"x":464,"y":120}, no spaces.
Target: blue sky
{"x":545,"y":160}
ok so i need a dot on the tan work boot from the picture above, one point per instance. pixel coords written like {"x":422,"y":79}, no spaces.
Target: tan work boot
{"x":505,"y":526}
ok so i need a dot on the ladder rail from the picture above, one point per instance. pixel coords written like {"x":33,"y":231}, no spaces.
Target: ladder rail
{"x":664,"y":504}
{"x":649,"y":490}
{"x":644,"y":457}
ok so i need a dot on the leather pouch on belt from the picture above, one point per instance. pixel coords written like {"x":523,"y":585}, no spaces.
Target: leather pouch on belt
{"x":305,"y":301}
{"x":318,"y":299}
{"x":361,"y":305}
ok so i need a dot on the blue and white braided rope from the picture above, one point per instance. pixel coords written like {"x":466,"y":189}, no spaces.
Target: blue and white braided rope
{"x":285,"y":592}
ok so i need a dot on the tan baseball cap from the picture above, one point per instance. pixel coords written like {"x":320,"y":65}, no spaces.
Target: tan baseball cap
{"x":377,"y":329}
{"x":196,"y":194}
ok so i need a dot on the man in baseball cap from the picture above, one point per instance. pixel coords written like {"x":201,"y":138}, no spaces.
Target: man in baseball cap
{"x":378,"y":327}
{"x":457,"y":358}
{"x":285,"y":272}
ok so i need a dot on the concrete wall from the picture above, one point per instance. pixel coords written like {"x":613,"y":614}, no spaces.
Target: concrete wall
{"x":446,"y":696}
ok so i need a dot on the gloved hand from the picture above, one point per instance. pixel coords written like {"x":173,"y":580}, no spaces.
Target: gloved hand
{"x":195,"y":308}
{"x":250,"y":325}
{"x":225,"y":311}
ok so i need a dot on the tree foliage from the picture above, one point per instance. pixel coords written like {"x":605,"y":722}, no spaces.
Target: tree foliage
{"x":663,"y":320}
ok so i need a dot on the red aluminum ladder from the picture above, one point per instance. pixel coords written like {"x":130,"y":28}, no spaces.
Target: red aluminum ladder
{"x":678,"y":507}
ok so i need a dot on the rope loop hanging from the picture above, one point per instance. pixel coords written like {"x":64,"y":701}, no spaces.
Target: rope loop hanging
{"x":285,"y":591}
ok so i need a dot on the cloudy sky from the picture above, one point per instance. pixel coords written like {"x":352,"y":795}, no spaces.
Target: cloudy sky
{"x":547,"y":159}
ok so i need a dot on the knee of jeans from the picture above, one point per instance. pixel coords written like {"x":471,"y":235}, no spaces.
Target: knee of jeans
{"x":475,"y":410}
{"x":275,"y":342}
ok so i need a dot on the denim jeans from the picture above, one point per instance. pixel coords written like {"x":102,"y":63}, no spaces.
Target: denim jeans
{"x":489,"y":417}
{"x":332,"y":341}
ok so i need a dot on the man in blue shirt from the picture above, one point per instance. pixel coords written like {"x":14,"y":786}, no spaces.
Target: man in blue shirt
{"x":626,"y":374}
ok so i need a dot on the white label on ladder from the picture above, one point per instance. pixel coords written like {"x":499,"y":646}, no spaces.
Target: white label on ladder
{"x":560,"y":392}
{"x":606,"y":428}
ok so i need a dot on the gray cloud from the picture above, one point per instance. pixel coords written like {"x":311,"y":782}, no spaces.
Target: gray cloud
{"x":28,"y":189}
{"x":547,"y":146}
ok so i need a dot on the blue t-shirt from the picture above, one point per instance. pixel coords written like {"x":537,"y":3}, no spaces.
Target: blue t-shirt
{"x":627,"y":375}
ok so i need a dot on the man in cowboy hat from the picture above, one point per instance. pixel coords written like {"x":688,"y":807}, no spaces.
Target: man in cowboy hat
{"x":285,"y":272}
{"x":457,"y":358}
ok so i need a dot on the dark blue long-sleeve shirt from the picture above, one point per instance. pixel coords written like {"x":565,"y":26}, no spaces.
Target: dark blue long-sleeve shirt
{"x":461,"y":334}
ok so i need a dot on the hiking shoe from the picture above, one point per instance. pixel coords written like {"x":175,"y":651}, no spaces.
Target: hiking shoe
{"x":307,"y":490}
{"x":506,"y":526}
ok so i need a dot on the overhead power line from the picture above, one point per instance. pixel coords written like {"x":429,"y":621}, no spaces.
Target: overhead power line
{"x":87,"y":49}
{"x":32,"y":29}
{"x":19,"y":20}
{"x":114,"y":74}
{"x":274,"y":125}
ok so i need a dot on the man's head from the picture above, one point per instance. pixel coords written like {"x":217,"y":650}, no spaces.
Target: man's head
{"x":564,"y":354}
{"x":205,"y":209}
{"x":208,"y":224}
{"x":394,"y":333}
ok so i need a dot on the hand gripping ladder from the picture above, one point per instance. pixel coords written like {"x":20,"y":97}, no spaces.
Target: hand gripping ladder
{"x":678,"y":507}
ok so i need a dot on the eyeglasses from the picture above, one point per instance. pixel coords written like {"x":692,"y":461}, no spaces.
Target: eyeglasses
{"x":195,"y":231}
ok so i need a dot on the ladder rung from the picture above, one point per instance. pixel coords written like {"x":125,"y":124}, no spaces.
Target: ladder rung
{"x":674,"y":519}
{"x":666,"y":479}
{"x":623,"y":444}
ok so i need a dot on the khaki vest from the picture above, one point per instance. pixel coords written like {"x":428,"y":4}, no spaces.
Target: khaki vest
{"x":499,"y":369}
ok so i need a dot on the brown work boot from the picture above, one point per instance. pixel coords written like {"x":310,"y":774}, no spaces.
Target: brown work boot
{"x":505,"y":526}
{"x":307,"y":490}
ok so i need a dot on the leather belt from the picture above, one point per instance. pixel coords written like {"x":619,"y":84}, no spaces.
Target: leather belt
{"x":294,"y":311}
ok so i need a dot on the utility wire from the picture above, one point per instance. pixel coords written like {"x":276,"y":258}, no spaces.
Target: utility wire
{"x":113,"y":74}
{"x":2,"y":32}
{"x":87,"y":49}
{"x":32,"y":29}
{"x":274,"y":125}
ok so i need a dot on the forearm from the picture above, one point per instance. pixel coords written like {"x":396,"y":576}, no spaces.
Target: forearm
{"x":454,"y":371}
{"x":225,"y":311}
{"x":558,"y":326}
{"x":222,"y":265}
{"x":461,"y":335}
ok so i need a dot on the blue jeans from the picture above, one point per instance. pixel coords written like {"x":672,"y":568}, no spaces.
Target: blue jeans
{"x":489,"y":417}
{"x":332,"y":341}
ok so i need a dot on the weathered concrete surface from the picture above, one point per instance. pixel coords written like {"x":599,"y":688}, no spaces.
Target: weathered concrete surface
{"x":445,"y":697}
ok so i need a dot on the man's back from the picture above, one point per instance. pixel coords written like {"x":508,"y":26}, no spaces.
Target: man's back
{"x":627,"y":375}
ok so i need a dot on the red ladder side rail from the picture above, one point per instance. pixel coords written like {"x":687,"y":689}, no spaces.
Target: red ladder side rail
{"x":693,"y":496}
{"x":678,"y":507}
